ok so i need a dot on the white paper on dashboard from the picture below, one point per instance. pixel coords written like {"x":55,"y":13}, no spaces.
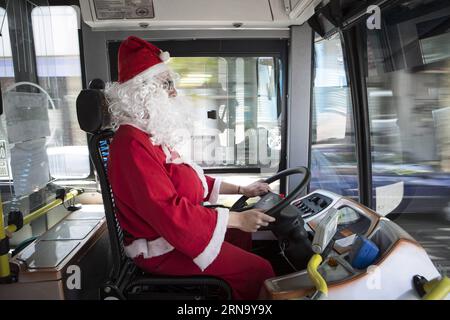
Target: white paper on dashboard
{"x":389,"y":197}
{"x":26,"y":116}
{"x":29,"y":166}
{"x":345,"y":242}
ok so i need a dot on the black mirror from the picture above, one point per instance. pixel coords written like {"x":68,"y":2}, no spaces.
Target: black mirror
{"x":212,"y":114}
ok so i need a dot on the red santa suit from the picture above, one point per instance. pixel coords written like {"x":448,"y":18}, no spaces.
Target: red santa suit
{"x":159,"y":200}
{"x":170,"y":232}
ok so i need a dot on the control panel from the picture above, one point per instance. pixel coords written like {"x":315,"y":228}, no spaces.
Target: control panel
{"x":352,"y":219}
{"x":313,"y":204}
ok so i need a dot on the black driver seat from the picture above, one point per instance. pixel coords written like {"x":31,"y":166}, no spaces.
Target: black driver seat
{"x":126,"y":281}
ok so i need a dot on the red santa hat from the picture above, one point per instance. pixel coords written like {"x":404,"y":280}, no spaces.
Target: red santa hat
{"x":138,"y":57}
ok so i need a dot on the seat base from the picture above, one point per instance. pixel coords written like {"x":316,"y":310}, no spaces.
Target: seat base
{"x":135,"y":284}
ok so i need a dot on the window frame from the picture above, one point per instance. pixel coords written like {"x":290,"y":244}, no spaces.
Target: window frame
{"x":355,"y":54}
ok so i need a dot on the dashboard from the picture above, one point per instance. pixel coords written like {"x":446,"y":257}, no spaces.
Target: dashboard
{"x":353,"y":218}
{"x":346,"y":279}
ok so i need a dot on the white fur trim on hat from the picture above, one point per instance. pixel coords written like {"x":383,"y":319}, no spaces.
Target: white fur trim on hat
{"x":147,"y":73}
{"x":164,"y":56}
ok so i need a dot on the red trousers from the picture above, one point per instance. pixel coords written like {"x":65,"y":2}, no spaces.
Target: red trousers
{"x":245,"y":272}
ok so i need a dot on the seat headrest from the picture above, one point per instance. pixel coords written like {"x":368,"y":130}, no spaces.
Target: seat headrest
{"x":92,"y":111}
{"x":98,"y":84}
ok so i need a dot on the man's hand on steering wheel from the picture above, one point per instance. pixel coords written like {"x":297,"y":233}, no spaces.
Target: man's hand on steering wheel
{"x":249,"y":220}
{"x":271,"y":203}
{"x":255,"y":189}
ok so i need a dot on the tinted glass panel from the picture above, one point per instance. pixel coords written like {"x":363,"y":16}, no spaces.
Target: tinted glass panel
{"x":408,"y":87}
{"x":55,"y":32}
{"x":333,"y":159}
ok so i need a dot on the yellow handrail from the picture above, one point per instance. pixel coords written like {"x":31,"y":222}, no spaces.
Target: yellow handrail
{"x":315,"y":276}
{"x":41,"y":211}
{"x":4,"y":259}
{"x":437,"y":289}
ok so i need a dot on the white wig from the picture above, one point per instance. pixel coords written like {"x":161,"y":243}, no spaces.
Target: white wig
{"x":144,"y":102}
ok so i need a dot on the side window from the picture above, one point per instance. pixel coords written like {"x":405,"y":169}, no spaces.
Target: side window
{"x":333,"y":152}
{"x":55,"y":30}
{"x":409,"y":107}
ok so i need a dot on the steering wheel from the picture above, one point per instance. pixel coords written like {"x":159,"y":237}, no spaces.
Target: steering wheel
{"x":271,"y":202}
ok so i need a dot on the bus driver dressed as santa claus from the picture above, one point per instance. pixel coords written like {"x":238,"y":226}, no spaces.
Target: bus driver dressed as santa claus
{"x":158,"y":194}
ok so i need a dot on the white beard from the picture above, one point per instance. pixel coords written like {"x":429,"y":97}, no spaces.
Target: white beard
{"x":167,"y":119}
{"x":171,"y":122}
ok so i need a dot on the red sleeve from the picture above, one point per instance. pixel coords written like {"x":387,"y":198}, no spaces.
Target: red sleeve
{"x":210,"y":181}
{"x":213,"y":189}
{"x":148,"y":190}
